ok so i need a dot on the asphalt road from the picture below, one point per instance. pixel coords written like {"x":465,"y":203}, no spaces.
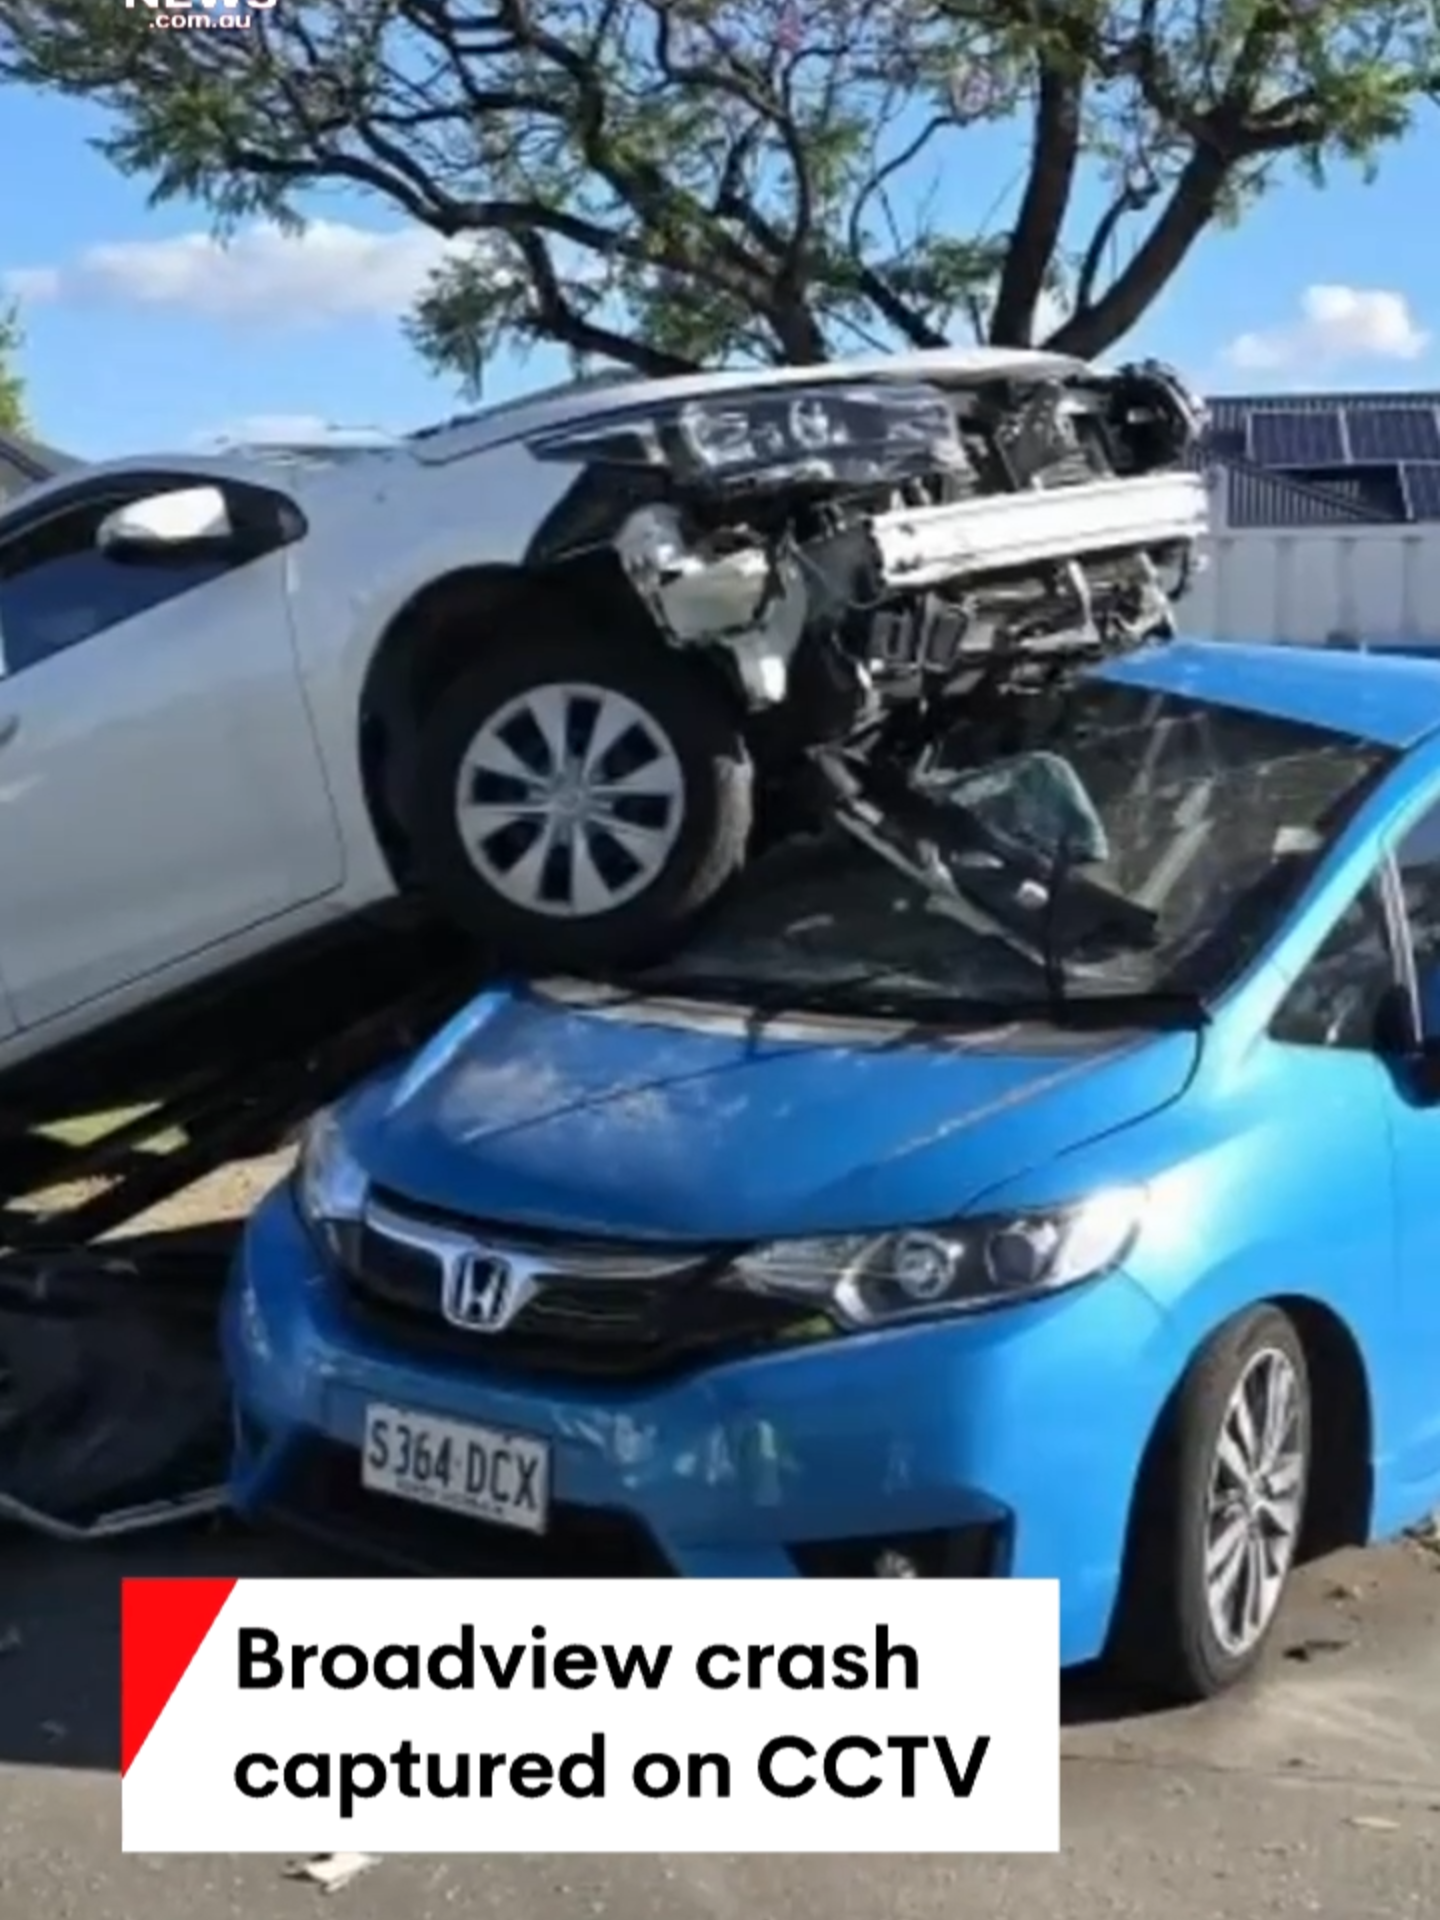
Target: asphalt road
{"x":1316,"y":1793}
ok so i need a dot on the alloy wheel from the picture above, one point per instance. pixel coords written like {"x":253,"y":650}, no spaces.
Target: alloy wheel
{"x":569,"y":800}
{"x":1254,"y":1500}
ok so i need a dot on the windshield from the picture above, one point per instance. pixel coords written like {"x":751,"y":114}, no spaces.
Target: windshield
{"x":1138,"y":848}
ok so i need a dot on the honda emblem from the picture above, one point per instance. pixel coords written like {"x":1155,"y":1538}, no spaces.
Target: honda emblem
{"x":479,"y":1293}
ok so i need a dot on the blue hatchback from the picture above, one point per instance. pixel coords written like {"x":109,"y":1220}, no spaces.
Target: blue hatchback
{"x":1083,"y":1222}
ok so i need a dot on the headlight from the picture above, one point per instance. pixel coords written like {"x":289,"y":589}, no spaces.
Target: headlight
{"x":330,"y":1183}
{"x":721,"y":436}
{"x":872,"y":1280}
{"x":857,"y":433}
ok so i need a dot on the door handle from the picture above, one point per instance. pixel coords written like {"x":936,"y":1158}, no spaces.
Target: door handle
{"x":9,"y":727}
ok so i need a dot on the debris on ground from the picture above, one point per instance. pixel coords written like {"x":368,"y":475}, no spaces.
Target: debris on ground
{"x":1373,"y":1823}
{"x":332,"y":1871}
{"x":1313,"y":1649}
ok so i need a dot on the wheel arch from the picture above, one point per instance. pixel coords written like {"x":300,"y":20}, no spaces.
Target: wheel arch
{"x":1342,"y":1416}
{"x":1341,"y":1494}
{"x":1160,"y":1649}
{"x":428,"y":641}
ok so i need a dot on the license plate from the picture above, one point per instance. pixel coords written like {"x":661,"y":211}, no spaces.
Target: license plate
{"x":479,"y":1471}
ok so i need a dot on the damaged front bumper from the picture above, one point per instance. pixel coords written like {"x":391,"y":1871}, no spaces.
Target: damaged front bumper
{"x":971,"y":539}
{"x":757,"y":599}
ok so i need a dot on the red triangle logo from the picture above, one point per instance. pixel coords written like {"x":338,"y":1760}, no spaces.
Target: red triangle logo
{"x":162,"y":1623}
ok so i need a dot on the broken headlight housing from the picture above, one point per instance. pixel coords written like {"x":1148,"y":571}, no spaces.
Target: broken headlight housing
{"x":331,"y":1187}
{"x":852,"y":434}
{"x":870,"y":1280}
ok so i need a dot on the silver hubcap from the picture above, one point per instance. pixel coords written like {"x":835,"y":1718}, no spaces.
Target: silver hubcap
{"x":1257,"y":1489}
{"x":569,"y":800}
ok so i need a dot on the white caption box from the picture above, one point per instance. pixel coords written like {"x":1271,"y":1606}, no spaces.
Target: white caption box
{"x":526,"y":1736}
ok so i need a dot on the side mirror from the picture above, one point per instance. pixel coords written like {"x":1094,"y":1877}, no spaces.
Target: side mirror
{"x":161,"y":523}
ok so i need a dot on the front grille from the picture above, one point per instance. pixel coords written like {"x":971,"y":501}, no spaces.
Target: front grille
{"x":604,"y":1308}
{"x":321,"y":1494}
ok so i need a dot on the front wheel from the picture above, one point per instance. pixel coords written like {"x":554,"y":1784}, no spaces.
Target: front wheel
{"x":1219,"y":1512}
{"x":580,"y":799}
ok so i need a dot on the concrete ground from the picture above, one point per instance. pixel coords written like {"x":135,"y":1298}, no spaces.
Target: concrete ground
{"x":1316,"y":1793}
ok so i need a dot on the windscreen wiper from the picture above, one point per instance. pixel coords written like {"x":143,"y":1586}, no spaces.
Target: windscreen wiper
{"x":862,"y":995}
{"x":1097,"y":1012}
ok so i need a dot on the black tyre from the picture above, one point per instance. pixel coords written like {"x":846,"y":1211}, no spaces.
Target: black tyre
{"x":578,"y":800}
{"x":1218,"y":1513}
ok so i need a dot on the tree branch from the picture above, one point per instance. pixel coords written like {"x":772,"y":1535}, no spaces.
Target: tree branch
{"x":911,"y":326}
{"x":556,"y":319}
{"x":785,"y":306}
{"x":1055,"y":156}
{"x":881,"y":176}
{"x":1188,"y":211}
{"x":1130,"y":199}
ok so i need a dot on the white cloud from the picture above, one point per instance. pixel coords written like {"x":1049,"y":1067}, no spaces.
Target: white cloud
{"x":327,"y":271}
{"x":1335,"y":325}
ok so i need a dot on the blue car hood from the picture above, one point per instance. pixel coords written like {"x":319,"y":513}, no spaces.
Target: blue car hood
{"x":689,"y":1124}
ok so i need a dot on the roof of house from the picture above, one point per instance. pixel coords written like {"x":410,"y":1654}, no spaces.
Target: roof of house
{"x":1326,"y":459}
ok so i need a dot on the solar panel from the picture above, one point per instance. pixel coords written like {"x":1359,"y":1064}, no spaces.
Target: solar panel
{"x":1393,"y":433}
{"x":1290,"y":438}
{"x":1422,"y":490}
{"x":1282,"y":437}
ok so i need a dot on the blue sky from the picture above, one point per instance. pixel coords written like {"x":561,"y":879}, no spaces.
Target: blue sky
{"x":140,"y":335}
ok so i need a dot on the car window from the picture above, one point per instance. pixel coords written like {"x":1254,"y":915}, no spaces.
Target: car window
{"x":57,"y":590}
{"x":1418,"y":858}
{"x":1341,"y":997}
